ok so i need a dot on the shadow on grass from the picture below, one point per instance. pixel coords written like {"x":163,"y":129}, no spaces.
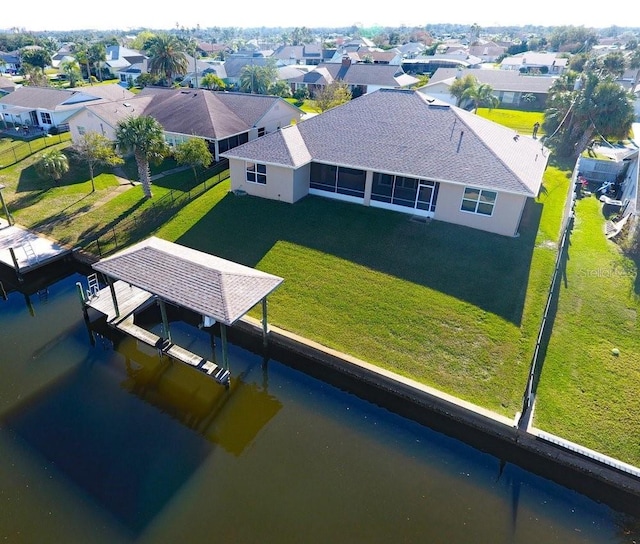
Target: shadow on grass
{"x":486,"y":270}
{"x":100,"y":229}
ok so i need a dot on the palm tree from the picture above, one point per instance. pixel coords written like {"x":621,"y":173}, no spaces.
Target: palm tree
{"x":97,"y":54}
{"x":481,"y":95}
{"x":212,"y":81}
{"x":460,"y":86}
{"x":144,"y":136}
{"x":53,"y":164}
{"x":167,"y":57}
{"x":71,"y":69}
{"x":81,"y":52}
{"x":257,"y":79}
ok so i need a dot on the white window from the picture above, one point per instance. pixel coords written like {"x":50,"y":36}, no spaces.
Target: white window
{"x":478,"y":201}
{"x":45,"y":117}
{"x":257,"y":173}
{"x":81,"y":130}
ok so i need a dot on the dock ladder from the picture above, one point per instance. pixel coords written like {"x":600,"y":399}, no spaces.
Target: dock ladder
{"x":30,"y":252}
{"x":93,"y":286}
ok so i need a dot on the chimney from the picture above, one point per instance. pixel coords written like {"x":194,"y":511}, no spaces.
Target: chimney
{"x":346,"y":61}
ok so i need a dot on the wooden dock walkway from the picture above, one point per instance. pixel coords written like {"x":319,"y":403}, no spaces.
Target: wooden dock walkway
{"x":131,"y":299}
{"x":31,"y":250}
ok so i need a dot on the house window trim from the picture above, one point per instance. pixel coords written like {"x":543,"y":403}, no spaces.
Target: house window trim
{"x":44,"y":115}
{"x":253,"y":169}
{"x":478,"y":201}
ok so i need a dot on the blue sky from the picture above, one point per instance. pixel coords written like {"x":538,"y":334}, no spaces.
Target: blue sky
{"x":118,"y":14}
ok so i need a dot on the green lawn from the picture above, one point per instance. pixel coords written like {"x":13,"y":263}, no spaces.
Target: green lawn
{"x":452,"y":307}
{"x":520,"y":121}
{"x":586,"y":393}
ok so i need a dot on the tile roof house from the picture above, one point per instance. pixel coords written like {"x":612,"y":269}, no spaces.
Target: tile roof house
{"x":46,"y":107}
{"x":362,"y":78}
{"x":513,"y":89}
{"x":402,"y":151}
{"x":223,"y":119}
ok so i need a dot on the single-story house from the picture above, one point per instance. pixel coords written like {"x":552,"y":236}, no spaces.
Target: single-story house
{"x":488,"y":51}
{"x":371,"y":55}
{"x":428,"y":64}
{"x":536,"y":62}
{"x":223,"y":119}
{"x":513,"y":89}
{"x":233,"y":65}
{"x":403,"y":151}
{"x":362,"y":78}
{"x":10,"y":63}
{"x":306,"y":54}
{"x":47,"y":107}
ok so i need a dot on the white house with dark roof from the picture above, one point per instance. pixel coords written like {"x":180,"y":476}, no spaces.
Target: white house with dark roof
{"x":361,"y":78}
{"x":403,"y":151}
{"x":536,"y":62}
{"x":224,"y":120}
{"x":513,"y":89}
{"x":47,"y":107}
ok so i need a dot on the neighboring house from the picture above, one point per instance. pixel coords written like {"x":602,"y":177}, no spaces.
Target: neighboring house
{"x":46,"y":107}
{"x":120,"y":59}
{"x":10,"y":63}
{"x":487,"y":51}
{"x":399,"y":150}
{"x":369,"y":55}
{"x":428,"y":64}
{"x":412,"y":49}
{"x":362,"y":78}
{"x":308,"y":54}
{"x":533,"y":62}
{"x":225,"y":120}
{"x":515,"y":91}
{"x":234,"y":64}
{"x":196,"y":68}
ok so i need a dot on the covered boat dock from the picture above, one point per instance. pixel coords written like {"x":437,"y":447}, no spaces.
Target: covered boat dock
{"x":156,"y":270}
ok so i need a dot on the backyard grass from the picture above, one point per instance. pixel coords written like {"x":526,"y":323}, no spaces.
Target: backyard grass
{"x":586,"y":393}
{"x":520,"y":121}
{"x":451,"y":307}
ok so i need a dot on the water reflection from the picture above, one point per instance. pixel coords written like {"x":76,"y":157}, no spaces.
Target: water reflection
{"x":104,"y":441}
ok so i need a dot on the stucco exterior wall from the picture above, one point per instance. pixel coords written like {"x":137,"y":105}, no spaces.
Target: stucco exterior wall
{"x":280,"y":182}
{"x":89,"y":122}
{"x":504,"y":220}
{"x":279,"y":116}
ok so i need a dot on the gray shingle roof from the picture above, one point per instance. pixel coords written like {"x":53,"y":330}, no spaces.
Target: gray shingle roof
{"x":51,"y":99}
{"x":384,"y":75}
{"x":401,"y":132}
{"x":200,"y":282}
{"x":500,"y":80}
{"x":208,"y":114}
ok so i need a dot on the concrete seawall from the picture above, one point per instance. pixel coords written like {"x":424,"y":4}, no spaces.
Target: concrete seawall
{"x":480,"y":428}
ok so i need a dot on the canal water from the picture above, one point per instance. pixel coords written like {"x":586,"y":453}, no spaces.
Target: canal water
{"x":103,"y":441}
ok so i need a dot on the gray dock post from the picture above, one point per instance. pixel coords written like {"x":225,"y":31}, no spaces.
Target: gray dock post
{"x":165,"y":320}
{"x":223,"y":336}
{"x":265,"y":326}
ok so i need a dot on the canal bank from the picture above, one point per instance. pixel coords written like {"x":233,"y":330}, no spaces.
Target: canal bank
{"x":474,"y":425}
{"x":469,"y":423}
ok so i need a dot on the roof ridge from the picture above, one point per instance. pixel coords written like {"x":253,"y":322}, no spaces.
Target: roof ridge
{"x":501,"y":160}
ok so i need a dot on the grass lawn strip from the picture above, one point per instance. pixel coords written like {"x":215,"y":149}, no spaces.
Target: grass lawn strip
{"x":587,"y":394}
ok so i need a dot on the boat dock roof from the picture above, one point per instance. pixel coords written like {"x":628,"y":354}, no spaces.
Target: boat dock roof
{"x":203,"y":283}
